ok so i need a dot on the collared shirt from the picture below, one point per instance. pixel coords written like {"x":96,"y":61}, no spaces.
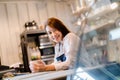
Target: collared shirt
{"x":69,"y":48}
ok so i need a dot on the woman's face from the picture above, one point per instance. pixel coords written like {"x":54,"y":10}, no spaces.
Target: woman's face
{"x":54,"y":34}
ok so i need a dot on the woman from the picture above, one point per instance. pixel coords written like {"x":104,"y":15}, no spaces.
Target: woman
{"x":66,"y":47}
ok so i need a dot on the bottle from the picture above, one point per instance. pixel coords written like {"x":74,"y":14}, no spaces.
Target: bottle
{"x":35,"y":54}
{"x":38,"y":54}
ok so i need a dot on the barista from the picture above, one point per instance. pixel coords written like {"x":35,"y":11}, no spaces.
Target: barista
{"x":66,"y":47}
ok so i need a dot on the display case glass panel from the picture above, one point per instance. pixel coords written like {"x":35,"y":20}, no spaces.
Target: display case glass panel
{"x":99,"y":55}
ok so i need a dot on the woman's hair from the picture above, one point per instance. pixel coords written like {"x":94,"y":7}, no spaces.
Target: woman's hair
{"x":57,"y":24}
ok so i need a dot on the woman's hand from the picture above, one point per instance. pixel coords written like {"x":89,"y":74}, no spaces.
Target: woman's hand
{"x":36,"y":66}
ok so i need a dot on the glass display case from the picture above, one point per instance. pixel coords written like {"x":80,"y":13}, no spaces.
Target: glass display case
{"x":99,"y":57}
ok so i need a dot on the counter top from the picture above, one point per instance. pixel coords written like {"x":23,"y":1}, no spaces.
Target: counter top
{"x":42,"y":75}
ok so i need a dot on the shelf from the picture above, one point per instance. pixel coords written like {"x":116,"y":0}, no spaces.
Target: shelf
{"x":101,"y":12}
{"x":48,"y":56}
{"x":48,"y":59}
{"x":95,"y":47}
{"x":95,"y":27}
{"x":93,"y":14}
{"x":33,"y":32}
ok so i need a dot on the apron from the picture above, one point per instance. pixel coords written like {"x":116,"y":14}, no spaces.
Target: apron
{"x":62,"y":57}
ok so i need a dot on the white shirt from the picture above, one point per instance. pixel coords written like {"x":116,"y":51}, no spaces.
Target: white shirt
{"x":69,"y":46}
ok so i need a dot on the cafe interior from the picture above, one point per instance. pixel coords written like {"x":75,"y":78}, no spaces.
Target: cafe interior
{"x":24,"y":39}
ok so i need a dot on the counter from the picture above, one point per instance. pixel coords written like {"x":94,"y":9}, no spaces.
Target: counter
{"x":50,"y":75}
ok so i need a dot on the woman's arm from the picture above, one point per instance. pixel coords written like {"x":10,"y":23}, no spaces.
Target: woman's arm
{"x":50,"y":67}
{"x":39,"y":65}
